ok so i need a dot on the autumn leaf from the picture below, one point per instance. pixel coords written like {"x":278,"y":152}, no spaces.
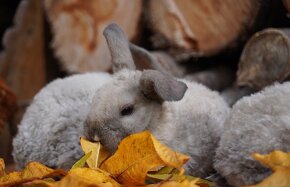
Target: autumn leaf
{"x":2,"y":167}
{"x":139,"y":153}
{"x":31,"y":172}
{"x":83,"y":177}
{"x":178,"y":178}
{"x":279,"y":162}
{"x":81,"y":162}
{"x":184,"y":183}
{"x":79,"y":177}
{"x":99,"y":153}
{"x":274,"y":160}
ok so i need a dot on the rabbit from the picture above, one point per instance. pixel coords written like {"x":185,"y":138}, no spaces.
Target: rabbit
{"x":50,"y":129}
{"x":259,"y":123}
{"x":186,"y":116}
{"x":51,"y":126}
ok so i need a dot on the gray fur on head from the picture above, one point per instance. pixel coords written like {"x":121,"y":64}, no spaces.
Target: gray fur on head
{"x":258,"y":123}
{"x":185,"y":116}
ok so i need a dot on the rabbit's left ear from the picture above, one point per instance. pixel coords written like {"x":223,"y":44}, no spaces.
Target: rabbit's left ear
{"x":119,"y":48}
{"x":161,"y":87}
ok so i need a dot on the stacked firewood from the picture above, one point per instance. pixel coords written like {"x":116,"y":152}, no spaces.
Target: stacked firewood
{"x":178,"y":33}
{"x":227,"y":45}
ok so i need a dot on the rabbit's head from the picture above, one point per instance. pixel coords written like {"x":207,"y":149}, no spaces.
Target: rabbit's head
{"x":132,"y":100}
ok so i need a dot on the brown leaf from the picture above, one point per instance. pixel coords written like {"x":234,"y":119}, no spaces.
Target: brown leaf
{"x":99,"y":153}
{"x":279,"y":162}
{"x":31,"y":172}
{"x":137,"y":154}
{"x":2,"y":167}
{"x":83,"y":177}
{"x":184,"y":183}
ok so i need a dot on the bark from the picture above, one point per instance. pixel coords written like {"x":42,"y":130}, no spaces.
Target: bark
{"x":78,"y":30}
{"x":287,"y":5}
{"x":22,"y":63}
{"x":200,"y":28}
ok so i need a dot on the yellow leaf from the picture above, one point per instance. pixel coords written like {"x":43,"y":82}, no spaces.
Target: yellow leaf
{"x":184,"y":183}
{"x":31,"y":172}
{"x":83,"y":177}
{"x":165,"y":170}
{"x":176,"y":177}
{"x":99,"y":153}
{"x":2,"y":167}
{"x":79,"y":177}
{"x":81,"y":162}
{"x":137,"y":154}
{"x":39,"y":183}
{"x":279,"y":162}
{"x":274,"y":160}
{"x":280,"y":178}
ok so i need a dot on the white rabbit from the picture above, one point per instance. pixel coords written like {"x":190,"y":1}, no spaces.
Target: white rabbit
{"x":187,"y":117}
{"x":258,"y":123}
{"x":52,"y":125}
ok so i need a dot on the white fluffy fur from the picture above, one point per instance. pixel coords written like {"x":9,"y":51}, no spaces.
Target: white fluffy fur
{"x":52,"y":125}
{"x":192,"y":125}
{"x":258,"y":123}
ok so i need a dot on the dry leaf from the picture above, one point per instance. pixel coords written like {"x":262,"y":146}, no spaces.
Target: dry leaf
{"x":178,"y":178}
{"x":274,"y":160}
{"x":279,"y":162}
{"x":137,"y":154}
{"x":184,"y":183}
{"x":2,"y":167}
{"x":99,"y":153}
{"x":31,"y":172}
{"x":79,"y":177}
{"x":82,"y":177}
{"x":81,"y":162}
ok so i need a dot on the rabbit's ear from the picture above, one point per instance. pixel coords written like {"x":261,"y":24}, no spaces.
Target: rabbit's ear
{"x":144,"y":59}
{"x":161,"y":87}
{"x":119,"y":47}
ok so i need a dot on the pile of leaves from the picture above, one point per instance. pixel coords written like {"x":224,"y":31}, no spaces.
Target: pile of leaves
{"x":141,"y":160}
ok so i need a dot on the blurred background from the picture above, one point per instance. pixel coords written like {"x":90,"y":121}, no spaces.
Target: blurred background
{"x":236,"y":47}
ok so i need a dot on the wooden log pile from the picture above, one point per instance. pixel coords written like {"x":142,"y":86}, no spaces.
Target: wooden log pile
{"x":236,"y":47}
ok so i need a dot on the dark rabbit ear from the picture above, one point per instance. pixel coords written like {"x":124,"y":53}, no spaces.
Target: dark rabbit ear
{"x":161,"y":87}
{"x":144,"y":59}
{"x":119,"y":47}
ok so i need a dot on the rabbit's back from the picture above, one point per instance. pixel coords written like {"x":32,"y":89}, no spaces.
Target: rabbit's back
{"x":50,"y":129}
{"x":196,"y":127}
{"x":258,"y":123}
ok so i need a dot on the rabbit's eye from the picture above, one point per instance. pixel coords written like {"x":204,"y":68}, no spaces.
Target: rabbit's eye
{"x":127,"y":110}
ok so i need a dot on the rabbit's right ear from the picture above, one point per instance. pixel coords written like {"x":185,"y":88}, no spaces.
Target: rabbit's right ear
{"x":119,"y":47}
{"x":144,"y":59}
{"x":161,"y":87}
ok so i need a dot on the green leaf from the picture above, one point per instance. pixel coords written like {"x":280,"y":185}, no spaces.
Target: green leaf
{"x":81,"y":162}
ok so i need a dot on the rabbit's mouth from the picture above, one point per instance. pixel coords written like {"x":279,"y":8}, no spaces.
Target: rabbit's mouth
{"x":111,"y":137}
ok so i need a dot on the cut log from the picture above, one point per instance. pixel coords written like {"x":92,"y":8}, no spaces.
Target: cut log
{"x":287,"y":5}
{"x":7,"y":104}
{"x":202,"y":28}
{"x":22,"y":63}
{"x":8,"y":107}
{"x":265,"y":59}
{"x":78,"y":30}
